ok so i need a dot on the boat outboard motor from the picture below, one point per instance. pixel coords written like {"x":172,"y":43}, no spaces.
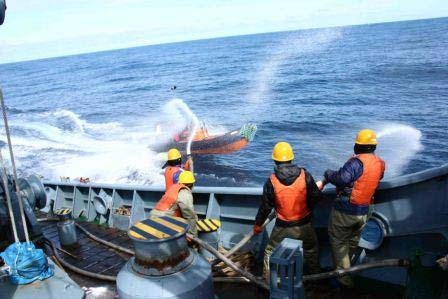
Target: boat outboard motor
{"x":2,"y":11}
{"x":33,"y":196}
{"x":164,"y":266}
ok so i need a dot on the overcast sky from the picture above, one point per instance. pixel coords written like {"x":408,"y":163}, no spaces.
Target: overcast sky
{"x":47,"y":28}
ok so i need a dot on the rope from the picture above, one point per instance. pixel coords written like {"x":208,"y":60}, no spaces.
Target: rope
{"x":8,"y":198}
{"x":221,"y":256}
{"x":335,"y":273}
{"x":109,"y":244}
{"x":79,"y":270}
{"x":246,"y":276}
{"x":248,"y":131}
{"x":246,"y":238}
{"x":93,"y":237}
{"x":19,"y":195}
{"x":358,"y":268}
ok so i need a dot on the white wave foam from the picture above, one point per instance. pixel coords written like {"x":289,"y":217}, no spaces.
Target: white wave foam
{"x":61,"y":143}
{"x":111,"y":153}
{"x":80,"y":125}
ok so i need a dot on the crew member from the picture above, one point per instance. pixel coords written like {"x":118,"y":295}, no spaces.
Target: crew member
{"x":355,"y":183}
{"x":173,"y":167}
{"x":178,"y":201}
{"x":292,"y":192}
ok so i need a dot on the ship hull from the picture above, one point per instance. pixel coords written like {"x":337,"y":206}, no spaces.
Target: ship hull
{"x":412,"y":209}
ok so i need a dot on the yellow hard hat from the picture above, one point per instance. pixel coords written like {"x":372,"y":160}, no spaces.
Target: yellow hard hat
{"x":186,"y":177}
{"x":366,"y":137}
{"x":282,"y":152}
{"x":174,"y":154}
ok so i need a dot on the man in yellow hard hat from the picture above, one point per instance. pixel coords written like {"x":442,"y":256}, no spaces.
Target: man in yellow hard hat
{"x":292,"y":192}
{"x":178,"y":201}
{"x":355,"y":183}
{"x":173,"y":167}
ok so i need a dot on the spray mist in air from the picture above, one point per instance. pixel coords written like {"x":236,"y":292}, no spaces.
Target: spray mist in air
{"x":180,"y":108}
{"x":60,"y":143}
{"x":293,"y":46}
{"x":398,"y":145}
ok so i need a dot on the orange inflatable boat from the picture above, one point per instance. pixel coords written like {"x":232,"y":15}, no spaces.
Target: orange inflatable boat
{"x":205,"y":144}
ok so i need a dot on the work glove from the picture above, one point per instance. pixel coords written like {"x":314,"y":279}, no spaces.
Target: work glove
{"x":320,"y":185}
{"x":257,"y":229}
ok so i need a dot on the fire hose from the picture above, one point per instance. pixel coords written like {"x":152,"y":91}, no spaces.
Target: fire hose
{"x":229,"y":263}
{"x":246,"y":276}
{"x":246,"y":239}
{"x":336,"y":273}
{"x":76,"y":269}
{"x":219,"y":255}
{"x":358,"y":268}
{"x":93,"y":237}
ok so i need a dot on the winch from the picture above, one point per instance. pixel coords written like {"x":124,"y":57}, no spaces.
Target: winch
{"x":33,"y":196}
{"x":164,"y":266}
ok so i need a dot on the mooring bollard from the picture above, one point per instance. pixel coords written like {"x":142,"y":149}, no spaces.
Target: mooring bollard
{"x":66,"y":228}
{"x":208,"y":231}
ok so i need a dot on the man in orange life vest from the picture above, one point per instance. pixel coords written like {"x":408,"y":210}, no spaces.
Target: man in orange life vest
{"x":178,"y":201}
{"x":173,"y":167}
{"x":292,"y":192}
{"x":355,"y":183}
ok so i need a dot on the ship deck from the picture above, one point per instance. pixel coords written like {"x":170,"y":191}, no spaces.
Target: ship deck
{"x":95,"y":257}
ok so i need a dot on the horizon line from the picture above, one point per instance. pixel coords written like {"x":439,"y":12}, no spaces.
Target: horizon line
{"x":217,"y":37}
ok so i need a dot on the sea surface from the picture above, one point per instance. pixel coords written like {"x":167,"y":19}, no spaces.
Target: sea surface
{"x":95,"y":115}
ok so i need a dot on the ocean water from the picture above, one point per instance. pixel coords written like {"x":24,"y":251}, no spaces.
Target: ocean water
{"x":95,"y":115}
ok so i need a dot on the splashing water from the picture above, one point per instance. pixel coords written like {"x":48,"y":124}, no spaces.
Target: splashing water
{"x":61,"y":143}
{"x":179,"y":105}
{"x":398,"y":144}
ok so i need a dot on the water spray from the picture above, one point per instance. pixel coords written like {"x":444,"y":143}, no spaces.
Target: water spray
{"x":292,"y":46}
{"x":398,"y":144}
{"x":181,"y":106}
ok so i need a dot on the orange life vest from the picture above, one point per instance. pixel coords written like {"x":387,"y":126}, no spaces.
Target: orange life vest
{"x":365,"y":186}
{"x":169,"y":175}
{"x":169,"y":199}
{"x":171,"y":170}
{"x":290,"y":201}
